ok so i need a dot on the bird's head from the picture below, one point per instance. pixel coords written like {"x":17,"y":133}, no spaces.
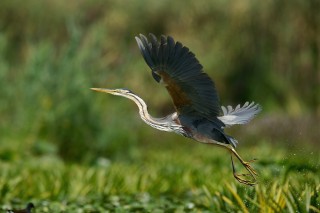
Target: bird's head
{"x":30,"y":206}
{"x":120,"y":92}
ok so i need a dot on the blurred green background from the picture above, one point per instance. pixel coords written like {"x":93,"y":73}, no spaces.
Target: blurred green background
{"x":52,"y":52}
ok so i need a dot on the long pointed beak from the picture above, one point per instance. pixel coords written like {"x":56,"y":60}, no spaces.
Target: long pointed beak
{"x":103,"y":90}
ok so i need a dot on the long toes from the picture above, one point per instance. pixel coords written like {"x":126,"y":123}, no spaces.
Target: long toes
{"x":253,"y":160}
{"x":253,"y":171}
{"x":239,"y":176}
{"x":250,"y":168}
{"x":244,"y":175}
{"x":244,"y":181}
{"x":250,"y":183}
{"x":247,"y":182}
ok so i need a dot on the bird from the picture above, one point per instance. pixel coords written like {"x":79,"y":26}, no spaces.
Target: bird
{"x":198,"y":114}
{"x":28,"y":209}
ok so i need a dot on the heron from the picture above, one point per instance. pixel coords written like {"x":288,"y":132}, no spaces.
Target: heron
{"x":198,"y":114}
{"x":28,"y":209}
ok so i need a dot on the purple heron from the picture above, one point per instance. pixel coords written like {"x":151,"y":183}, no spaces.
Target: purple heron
{"x":198,"y":115}
{"x":28,"y":209}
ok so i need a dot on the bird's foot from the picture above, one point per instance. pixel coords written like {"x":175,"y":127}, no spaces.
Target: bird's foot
{"x":242,"y":178}
{"x":250,"y":169}
{"x":248,"y":182}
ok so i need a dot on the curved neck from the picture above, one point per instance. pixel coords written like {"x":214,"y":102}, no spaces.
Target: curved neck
{"x":165,"y":124}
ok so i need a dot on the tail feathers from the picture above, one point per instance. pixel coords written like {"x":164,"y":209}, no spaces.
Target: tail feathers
{"x":232,"y":141}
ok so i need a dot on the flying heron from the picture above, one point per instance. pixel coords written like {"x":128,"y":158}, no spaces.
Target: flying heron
{"x":198,"y":115}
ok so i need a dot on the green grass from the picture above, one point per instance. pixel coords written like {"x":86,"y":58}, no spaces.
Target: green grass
{"x":186,"y":178}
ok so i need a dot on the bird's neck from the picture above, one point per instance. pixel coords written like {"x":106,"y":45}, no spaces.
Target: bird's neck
{"x":158,"y":123}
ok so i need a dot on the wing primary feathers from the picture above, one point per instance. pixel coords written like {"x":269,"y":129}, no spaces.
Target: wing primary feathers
{"x":171,"y":49}
{"x":144,"y":48}
{"x":155,"y":49}
{"x":161,"y":53}
{"x":192,"y":90}
{"x":239,"y":115}
{"x":164,"y":44}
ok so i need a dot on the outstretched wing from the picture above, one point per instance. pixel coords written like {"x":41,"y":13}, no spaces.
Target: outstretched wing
{"x":239,"y":115}
{"x":172,"y":64}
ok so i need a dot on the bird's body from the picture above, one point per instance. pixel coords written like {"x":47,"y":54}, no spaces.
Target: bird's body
{"x":204,"y":130}
{"x":198,"y":115}
{"x":28,"y":209}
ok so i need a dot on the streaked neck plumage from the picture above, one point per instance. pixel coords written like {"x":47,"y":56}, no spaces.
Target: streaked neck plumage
{"x":164,"y":124}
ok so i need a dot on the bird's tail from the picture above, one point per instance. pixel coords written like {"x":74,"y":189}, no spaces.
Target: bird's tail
{"x":232,"y":141}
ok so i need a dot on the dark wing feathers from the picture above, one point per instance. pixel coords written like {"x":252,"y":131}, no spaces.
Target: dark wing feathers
{"x":192,"y":90}
{"x":145,"y":50}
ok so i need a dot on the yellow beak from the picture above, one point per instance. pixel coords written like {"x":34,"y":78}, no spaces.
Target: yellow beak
{"x":103,"y":90}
